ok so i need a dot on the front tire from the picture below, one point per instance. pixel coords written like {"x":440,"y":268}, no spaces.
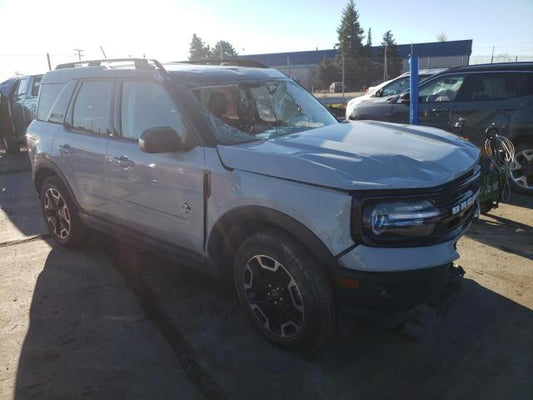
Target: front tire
{"x":61,"y":214}
{"x":285,"y":293}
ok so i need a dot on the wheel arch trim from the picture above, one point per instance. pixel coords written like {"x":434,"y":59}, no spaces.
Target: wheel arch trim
{"x":270,"y":217}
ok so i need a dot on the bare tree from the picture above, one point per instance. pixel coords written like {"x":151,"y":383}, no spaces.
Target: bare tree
{"x":442,"y":37}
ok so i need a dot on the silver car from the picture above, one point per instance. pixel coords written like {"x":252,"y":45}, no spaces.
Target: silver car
{"x":246,"y":175}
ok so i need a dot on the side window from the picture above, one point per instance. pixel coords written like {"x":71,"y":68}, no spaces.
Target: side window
{"x":92,"y":109}
{"x":396,"y":87}
{"x":497,"y":86}
{"x":148,"y":105}
{"x":59,"y":109}
{"x":47,"y":97}
{"x":441,"y":89}
{"x":35,"y":86}
{"x":21,"y":90}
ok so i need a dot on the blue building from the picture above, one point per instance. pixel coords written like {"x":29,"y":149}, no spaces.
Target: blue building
{"x":304,"y":66}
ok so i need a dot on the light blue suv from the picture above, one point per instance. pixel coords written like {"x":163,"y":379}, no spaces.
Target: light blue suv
{"x":243,"y":173}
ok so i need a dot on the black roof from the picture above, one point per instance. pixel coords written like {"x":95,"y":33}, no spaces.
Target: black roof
{"x":203,"y":72}
{"x":211,"y":74}
{"x":516,"y":66}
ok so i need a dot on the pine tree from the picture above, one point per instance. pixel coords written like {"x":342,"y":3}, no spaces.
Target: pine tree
{"x":394,"y":61}
{"x":198,"y":50}
{"x":368,"y":45}
{"x":350,"y":32}
{"x":329,"y":72}
{"x":222,"y":50}
{"x":369,"y":38}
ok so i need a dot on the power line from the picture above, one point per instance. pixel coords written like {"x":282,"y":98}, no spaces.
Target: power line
{"x":79,"y":51}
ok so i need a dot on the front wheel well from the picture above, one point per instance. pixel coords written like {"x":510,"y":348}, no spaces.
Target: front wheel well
{"x":237,"y":225}
{"x":40,"y":176}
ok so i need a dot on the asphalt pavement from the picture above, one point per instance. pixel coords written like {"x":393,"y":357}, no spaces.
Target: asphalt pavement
{"x":112,"y":321}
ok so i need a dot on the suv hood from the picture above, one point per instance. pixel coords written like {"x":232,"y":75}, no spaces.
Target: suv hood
{"x":358,"y":155}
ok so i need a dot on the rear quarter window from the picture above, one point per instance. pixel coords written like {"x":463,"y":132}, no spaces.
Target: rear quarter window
{"x":59,"y":109}
{"x":48,"y":96}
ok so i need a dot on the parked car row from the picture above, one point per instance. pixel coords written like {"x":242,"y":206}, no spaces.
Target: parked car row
{"x":384,"y":90}
{"x":18,"y":105}
{"x":244,"y":174}
{"x":468,"y":100}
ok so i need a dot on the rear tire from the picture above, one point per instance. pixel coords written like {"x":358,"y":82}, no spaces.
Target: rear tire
{"x":61,"y":214}
{"x":521,"y":174}
{"x":285,"y":293}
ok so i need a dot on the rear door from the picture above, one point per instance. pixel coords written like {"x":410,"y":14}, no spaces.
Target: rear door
{"x":82,"y":141}
{"x":436,"y":97}
{"x":157,"y":194}
{"x":501,"y":98}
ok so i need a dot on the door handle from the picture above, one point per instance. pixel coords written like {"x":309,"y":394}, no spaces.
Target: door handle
{"x":65,"y":149}
{"x":439,"y":110}
{"x":123,"y":162}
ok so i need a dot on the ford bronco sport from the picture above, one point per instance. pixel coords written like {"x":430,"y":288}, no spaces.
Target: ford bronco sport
{"x":243,"y":173}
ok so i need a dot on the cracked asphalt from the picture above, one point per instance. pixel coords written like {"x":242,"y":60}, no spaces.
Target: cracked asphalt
{"x":112,"y":321}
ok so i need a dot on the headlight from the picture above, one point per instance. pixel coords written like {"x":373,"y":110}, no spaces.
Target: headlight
{"x":399,"y":220}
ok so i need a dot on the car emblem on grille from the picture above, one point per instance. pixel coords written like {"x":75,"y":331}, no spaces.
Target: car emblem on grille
{"x":465,"y":204}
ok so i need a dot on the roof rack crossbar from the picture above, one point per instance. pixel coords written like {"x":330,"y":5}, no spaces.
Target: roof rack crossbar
{"x":233,"y":62}
{"x":139,"y":63}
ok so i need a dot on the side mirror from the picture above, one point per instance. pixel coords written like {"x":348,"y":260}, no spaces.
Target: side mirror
{"x":378,"y":93}
{"x":404,"y":98}
{"x":162,"y":139}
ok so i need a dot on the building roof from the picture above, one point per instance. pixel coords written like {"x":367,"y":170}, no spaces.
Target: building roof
{"x":433,"y":49}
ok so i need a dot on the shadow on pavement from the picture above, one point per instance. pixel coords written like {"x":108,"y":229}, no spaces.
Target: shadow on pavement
{"x":20,"y":213}
{"x":480,"y":351}
{"x":504,"y":234}
{"x":88,"y":336}
{"x":13,"y":163}
{"x":520,"y":200}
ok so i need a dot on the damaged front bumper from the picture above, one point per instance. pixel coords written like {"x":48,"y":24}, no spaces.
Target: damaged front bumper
{"x":395,"y":298}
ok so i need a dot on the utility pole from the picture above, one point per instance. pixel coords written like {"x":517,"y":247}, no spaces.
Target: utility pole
{"x":343,"y":78}
{"x":492,"y":57}
{"x":79,"y":51}
{"x":385,"y":71}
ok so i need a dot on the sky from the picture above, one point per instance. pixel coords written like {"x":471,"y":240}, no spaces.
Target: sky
{"x":163,"y":28}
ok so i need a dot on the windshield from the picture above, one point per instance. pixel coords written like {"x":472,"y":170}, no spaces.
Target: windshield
{"x":244,"y":112}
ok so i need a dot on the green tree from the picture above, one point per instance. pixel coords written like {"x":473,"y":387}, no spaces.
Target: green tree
{"x":329,"y":72}
{"x":198,"y":50}
{"x":222,"y":50}
{"x":394,"y":61}
{"x":350,"y":32}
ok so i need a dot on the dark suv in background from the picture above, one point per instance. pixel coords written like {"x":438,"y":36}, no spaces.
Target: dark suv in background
{"x":466,"y":101}
{"x":18,"y":104}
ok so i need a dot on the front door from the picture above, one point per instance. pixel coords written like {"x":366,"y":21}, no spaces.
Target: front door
{"x":157,"y":194}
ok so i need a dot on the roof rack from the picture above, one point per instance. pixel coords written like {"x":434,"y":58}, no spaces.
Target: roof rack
{"x":233,"y":62}
{"x":138,"y":63}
